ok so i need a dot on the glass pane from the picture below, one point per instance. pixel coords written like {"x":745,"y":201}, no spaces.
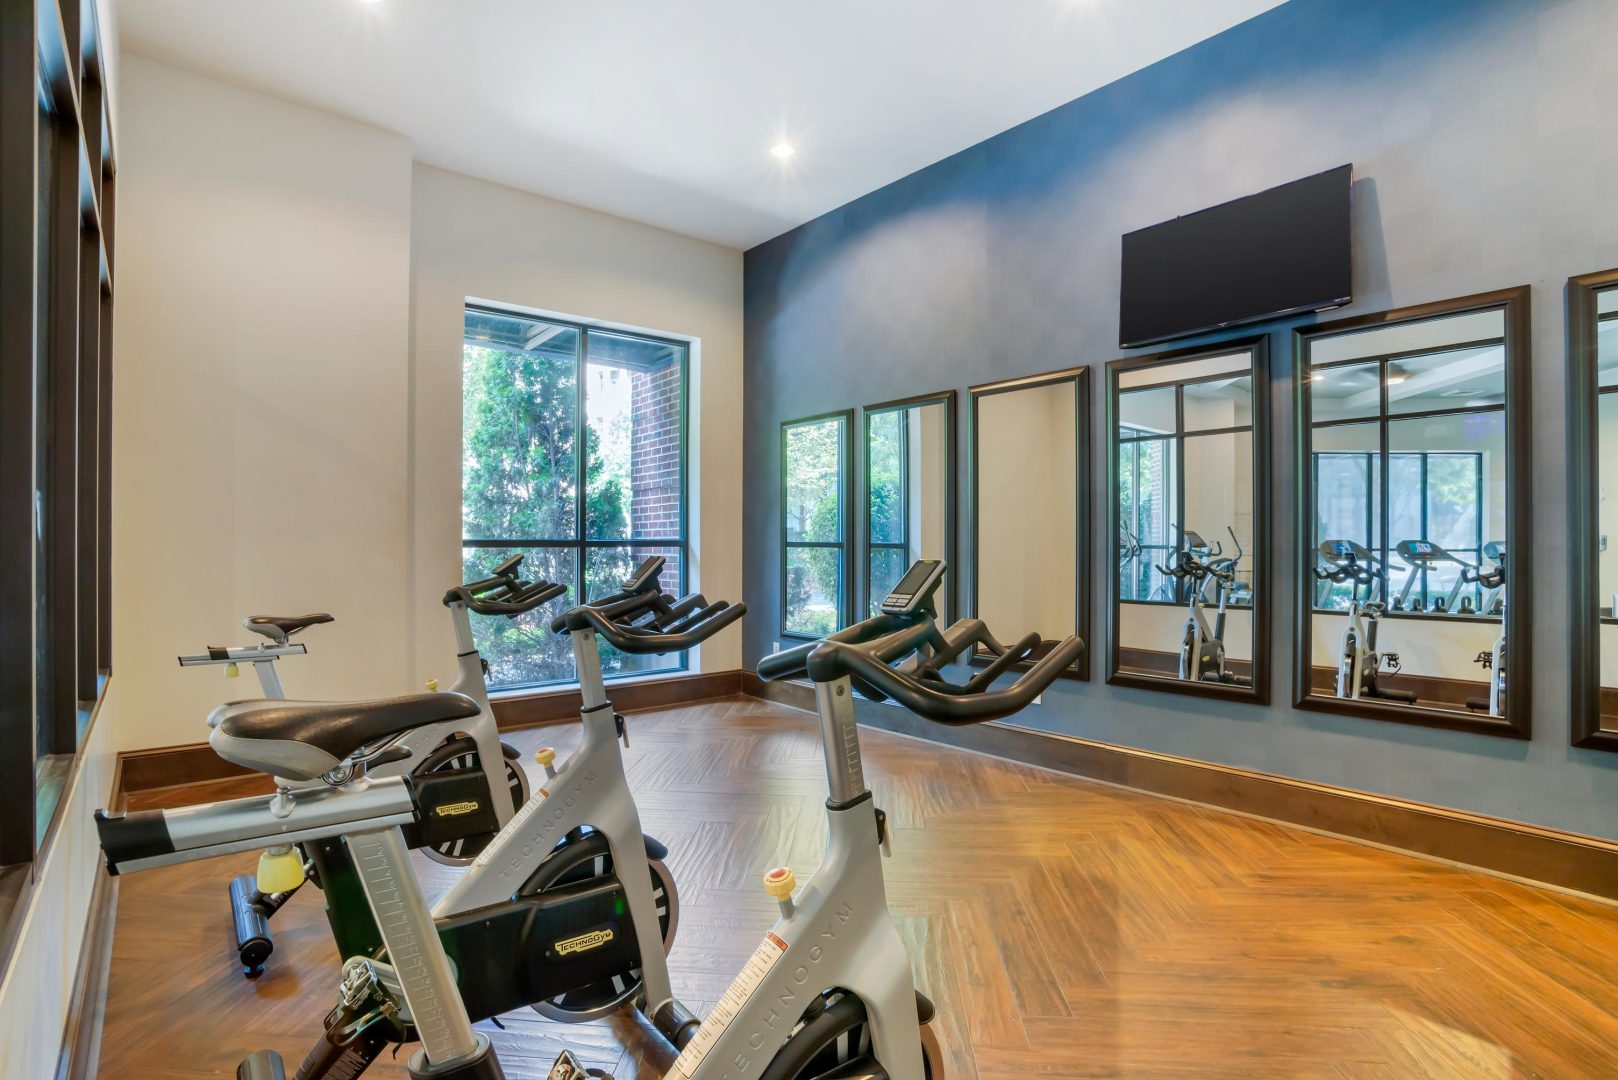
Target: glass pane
{"x":888,"y":565}
{"x":1219,"y":506}
{"x":814,"y":468}
{"x":1450,"y":471}
{"x":606,"y":569}
{"x":1457,"y":379}
{"x":814,"y":590}
{"x":887,"y":459}
{"x":1147,"y":511}
{"x":1186,"y":370}
{"x":520,"y":397}
{"x":1348,"y":496}
{"x":1146,"y":412}
{"x":633,"y":394}
{"x":1344,"y":393}
{"x":523,"y":651}
{"x":1220,"y":403}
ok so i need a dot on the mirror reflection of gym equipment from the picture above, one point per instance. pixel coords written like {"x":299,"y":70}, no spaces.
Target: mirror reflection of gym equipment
{"x":909,"y":489}
{"x":1184,"y":481}
{"x":1409,"y":513}
{"x":1029,"y":505}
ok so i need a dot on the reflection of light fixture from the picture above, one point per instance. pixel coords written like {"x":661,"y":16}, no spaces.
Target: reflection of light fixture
{"x":1395,"y":375}
{"x":1320,"y":378}
{"x":782,"y":151}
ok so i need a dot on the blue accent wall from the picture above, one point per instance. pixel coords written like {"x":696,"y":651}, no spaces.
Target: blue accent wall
{"x":1484,"y":138}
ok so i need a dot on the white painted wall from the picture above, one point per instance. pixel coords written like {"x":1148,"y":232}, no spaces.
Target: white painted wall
{"x":287,"y":405}
{"x":260,"y":401}
{"x":475,"y":239}
{"x":37,"y":984}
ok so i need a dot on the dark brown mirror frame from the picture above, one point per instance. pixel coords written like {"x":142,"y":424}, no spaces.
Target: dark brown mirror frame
{"x":1080,"y":378}
{"x":1584,"y":483}
{"x":951,"y":589}
{"x":845,"y":492}
{"x":1516,"y":724}
{"x":1259,"y":692}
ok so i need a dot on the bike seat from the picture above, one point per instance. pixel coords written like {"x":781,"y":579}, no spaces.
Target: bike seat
{"x":281,"y":627}
{"x":300,"y":740}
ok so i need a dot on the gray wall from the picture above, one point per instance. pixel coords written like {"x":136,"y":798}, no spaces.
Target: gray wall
{"x":1485,"y":148}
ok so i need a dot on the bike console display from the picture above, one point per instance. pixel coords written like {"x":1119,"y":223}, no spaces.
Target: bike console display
{"x":914,"y":588}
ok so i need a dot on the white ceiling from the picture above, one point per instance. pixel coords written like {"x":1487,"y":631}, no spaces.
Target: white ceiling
{"x":664,"y":111}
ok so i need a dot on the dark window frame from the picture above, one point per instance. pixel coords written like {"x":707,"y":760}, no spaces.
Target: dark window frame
{"x":1515,"y":306}
{"x":581,"y":543}
{"x":844,"y":545}
{"x":57,"y":178}
{"x":1258,"y":350}
{"x":1584,"y":391}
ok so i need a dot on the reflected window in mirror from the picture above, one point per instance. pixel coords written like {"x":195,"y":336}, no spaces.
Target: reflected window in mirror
{"x":909,"y":494}
{"x":815,"y":524}
{"x":1593,"y":363}
{"x":1410,"y":450}
{"x":1030,"y":507}
{"x":1187,"y":512}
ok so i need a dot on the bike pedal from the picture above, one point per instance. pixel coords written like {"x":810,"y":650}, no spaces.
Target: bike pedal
{"x":567,"y":1067}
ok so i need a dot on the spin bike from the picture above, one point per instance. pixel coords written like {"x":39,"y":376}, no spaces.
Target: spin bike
{"x":456,"y":745}
{"x":568,"y":909}
{"x":1202,"y":648}
{"x":1358,"y":662}
{"x":1424,"y":556}
{"x":829,"y":992}
{"x":1494,"y":659}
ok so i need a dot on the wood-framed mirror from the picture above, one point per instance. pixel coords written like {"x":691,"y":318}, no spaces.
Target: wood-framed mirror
{"x":1029,"y":491}
{"x":1592,"y":343}
{"x":908,"y":496}
{"x":1188,"y":482}
{"x":816,"y":524}
{"x":1413,"y":439}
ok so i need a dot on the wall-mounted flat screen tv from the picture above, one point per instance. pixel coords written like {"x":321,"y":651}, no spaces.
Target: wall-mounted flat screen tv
{"x":1280,"y":252}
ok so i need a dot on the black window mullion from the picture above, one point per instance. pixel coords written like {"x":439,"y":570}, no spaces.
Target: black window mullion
{"x":59,"y":700}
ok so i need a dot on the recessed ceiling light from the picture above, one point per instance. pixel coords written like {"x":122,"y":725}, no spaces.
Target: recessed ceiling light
{"x":1395,"y":380}
{"x":782,"y":151}
{"x":1320,"y":378}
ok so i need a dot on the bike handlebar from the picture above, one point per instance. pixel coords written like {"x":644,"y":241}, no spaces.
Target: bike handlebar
{"x":926,"y":693}
{"x":503,"y":592}
{"x":643,"y":619}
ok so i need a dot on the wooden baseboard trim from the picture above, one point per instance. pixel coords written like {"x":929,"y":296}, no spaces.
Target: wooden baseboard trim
{"x":1562,"y":860}
{"x":516,"y":712}
{"x":196,"y":763}
{"x":81,"y":1038}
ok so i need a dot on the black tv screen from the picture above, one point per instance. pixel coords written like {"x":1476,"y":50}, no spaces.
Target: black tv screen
{"x":1279,"y":252}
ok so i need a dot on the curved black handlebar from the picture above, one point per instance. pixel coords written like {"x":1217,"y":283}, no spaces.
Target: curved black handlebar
{"x":643,"y":619}
{"x":866,"y":653}
{"x":503,"y":592}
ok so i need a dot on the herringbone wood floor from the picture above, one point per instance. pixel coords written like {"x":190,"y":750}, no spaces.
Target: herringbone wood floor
{"x":1064,"y":929}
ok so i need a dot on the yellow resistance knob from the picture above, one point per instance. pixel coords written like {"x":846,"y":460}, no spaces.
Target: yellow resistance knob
{"x":432,"y":686}
{"x":545,"y":755}
{"x":780,"y":882}
{"x":231,"y":671}
{"x":280,"y":869}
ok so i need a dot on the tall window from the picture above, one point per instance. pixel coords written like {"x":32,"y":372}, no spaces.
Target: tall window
{"x":815,"y":522}
{"x":55,"y":455}
{"x":573,"y":452}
